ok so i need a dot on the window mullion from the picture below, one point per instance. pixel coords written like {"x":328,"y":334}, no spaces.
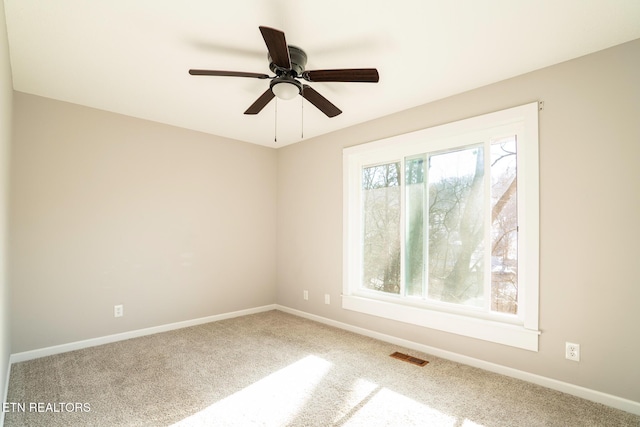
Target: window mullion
{"x":403,"y":225}
{"x":488,"y":223}
{"x":425,"y":230}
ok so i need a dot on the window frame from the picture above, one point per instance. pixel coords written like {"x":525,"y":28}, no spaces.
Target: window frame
{"x":518,"y":331}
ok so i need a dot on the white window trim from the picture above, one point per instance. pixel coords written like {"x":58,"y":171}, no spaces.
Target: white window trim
{"x":521,"y":332}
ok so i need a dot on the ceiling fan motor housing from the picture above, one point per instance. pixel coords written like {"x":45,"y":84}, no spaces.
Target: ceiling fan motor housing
{"x":298,"y":60}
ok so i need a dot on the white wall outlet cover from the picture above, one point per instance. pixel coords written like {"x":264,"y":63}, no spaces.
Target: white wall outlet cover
{"x":118,"y":310}
{"x":572,"y":351}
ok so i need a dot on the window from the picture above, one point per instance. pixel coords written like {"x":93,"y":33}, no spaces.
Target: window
{"x":441,"y":227}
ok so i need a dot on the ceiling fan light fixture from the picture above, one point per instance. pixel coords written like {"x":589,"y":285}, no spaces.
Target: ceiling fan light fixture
{"x":286,"y":89}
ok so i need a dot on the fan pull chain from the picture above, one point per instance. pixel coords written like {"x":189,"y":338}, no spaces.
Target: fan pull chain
{"x":275,"y":125}
{"x":301,"y":117}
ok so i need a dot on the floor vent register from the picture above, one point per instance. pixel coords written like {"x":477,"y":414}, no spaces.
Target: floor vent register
{"x":410,"y":359}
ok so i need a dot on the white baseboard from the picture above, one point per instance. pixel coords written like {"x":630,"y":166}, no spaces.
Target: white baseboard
{"x":63,"y":348}
{"x":585,"y":393}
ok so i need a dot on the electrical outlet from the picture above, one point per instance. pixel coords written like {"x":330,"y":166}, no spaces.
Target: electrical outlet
{"x":327,"y":299}
{"x":305,"y":295}
{"x":118,"y":310}
{"x":572,"y":351}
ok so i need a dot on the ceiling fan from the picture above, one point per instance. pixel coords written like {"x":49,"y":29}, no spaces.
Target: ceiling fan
{"x":287,"y":62}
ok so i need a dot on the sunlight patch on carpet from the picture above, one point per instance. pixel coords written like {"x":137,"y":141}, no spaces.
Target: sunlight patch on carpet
{"x":469,"y":423}
{"x":360,"y":392}
{"x":387,"y":407}
{"x":274,"y":400}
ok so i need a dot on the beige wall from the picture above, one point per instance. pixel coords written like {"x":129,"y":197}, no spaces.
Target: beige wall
{"x":589,"y":211}
{"x":6,"y":95}
{"x":106,"y":209}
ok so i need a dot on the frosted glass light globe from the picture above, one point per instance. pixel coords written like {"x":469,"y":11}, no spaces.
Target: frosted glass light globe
{"x":285,"y":90}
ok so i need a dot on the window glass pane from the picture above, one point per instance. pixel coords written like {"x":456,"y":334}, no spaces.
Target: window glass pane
{"x":456,"y":226}
{"x":381,"y":227}
{"x":504,"y":227}
{"x":415,"y":185}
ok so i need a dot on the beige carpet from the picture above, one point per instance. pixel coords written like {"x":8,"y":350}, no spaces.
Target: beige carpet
{"x":275,"y":369}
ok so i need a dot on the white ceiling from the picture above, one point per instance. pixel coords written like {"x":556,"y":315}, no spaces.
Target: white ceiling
{"x":132,"y":56}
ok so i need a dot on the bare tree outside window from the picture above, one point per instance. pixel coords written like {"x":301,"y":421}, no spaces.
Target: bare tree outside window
{"x":381,"y":221}
{"x":504,"y":227}
{"x":456,"y":226}
{"x":444,"y":253}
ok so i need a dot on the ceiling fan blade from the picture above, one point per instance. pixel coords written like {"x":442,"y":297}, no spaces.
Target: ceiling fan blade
{"x":322,"y":103}
{"x":260,"y":103}
{"x":227,"y":74}
{"x":365,"y":75}
{"x":277,"y":46}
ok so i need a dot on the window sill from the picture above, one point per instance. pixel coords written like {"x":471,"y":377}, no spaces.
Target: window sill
{"x":487,"y":330}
